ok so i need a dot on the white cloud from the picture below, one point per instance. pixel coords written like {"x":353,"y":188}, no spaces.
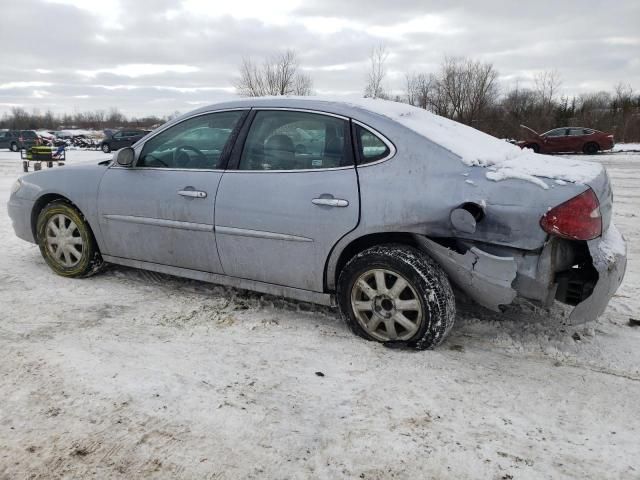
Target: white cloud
{"x":135,"y":70}
{"x":14,"y":85}
{"x":107,"y":12}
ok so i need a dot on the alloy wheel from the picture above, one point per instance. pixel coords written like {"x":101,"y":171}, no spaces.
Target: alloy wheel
{"x":386,"y":305}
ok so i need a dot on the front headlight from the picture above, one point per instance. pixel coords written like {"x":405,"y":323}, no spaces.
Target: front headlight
{"x":16,"y":186}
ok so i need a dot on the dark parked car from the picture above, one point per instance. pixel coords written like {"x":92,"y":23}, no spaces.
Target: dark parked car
{"x":9,"y":139}
{"x":567,"y":139}
{"x":121,"y":139}
{"x":14,"y":140}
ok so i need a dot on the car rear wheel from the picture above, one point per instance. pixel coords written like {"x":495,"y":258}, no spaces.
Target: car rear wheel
{"x":66,"y":241}
{"x":591,"y":148}
{"x":396,"y":294}
{"x":106,"y":148}
{"x":14,"y":147}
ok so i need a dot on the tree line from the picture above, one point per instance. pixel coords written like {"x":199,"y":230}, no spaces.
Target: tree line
{"x":462,"y":89}
{"x":468,"y":91}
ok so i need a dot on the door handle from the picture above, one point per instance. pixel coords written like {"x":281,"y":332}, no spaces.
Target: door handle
{"x":193,"y":193}
{"x":330,"y":202}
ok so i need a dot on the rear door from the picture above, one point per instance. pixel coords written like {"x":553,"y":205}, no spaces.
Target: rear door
{"x":576,"y":139}
{"x":162,"y":209}
{"x":291,"y":193}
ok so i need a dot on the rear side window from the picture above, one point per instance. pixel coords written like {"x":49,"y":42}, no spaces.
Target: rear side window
{"x":290,"y":140}
{"x":371,"y":148}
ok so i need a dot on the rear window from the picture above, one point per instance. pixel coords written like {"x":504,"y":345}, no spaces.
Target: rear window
{"x":371,"y":148}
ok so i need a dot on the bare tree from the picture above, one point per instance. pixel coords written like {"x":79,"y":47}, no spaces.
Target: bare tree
{"x":420,"y":89}
{"x":278,"y":75}
{"x":377,"y":72}
{"x":303,"y":85}
{"x":465,"y":89}
{"x":547,"y":85}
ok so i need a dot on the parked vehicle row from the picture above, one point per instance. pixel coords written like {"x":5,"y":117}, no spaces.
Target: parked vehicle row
{"x":374,"y":207}
{"x":112,"y":140}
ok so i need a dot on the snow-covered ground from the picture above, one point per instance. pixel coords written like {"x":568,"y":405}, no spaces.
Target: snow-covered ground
{"x":626,"y":147}
{"x":131,"y":374}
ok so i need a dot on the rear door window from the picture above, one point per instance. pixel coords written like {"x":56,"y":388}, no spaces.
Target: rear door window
{"x":292,"y":140}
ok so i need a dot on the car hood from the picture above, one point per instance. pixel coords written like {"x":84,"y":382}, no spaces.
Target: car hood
{"x":530,"y":131}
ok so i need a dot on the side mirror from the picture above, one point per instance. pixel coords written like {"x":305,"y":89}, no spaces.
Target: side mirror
{"x":125,"y":157}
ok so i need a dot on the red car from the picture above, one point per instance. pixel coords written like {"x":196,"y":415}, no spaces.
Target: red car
{"x":567,"y":139}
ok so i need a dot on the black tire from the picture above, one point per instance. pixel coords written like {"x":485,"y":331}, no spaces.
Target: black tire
{"x":425,"y":279}
{"x":106,"y":148}
{"x":88,"y":261}
{"x":535,"y":147}
{"x":14,"y":147}
{"x":591,"y":148}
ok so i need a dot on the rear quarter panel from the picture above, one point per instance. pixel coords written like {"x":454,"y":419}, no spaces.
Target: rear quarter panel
{"x":416,"y":190}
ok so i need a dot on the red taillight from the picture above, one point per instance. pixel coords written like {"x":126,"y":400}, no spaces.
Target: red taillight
{"x":577,"y":219}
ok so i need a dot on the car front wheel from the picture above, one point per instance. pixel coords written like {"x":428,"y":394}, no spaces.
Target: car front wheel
{"x":14,"y":147}
{"x":396,"y":294}
{"x":591,"y":148}
{"x":66,"y":241}
{"x":106,"y":148}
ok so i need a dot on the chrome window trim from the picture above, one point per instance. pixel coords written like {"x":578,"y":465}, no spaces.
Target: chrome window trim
{"x":304,"y":110}
{"x":385,"y":140}
{"x":301,"y":170}
{"x":172,"y":169}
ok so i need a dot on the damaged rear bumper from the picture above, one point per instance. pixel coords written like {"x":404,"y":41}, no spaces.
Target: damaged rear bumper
{"x":609,"y":256}
{"x":494,"y":278}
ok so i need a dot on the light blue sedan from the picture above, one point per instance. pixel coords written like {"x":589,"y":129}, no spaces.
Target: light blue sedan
{"x":370,"y":205}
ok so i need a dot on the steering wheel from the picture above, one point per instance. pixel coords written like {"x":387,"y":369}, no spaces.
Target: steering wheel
{"x":181,"y":158}
{"x":155,"y":159}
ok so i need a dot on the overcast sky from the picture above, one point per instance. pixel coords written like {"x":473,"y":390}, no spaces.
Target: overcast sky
{"x":158,"y":56}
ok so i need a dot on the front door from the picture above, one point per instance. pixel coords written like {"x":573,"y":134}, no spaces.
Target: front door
{"x":162,"y":209}
{"x":292,"y":195}
{"x":556,"y":140}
